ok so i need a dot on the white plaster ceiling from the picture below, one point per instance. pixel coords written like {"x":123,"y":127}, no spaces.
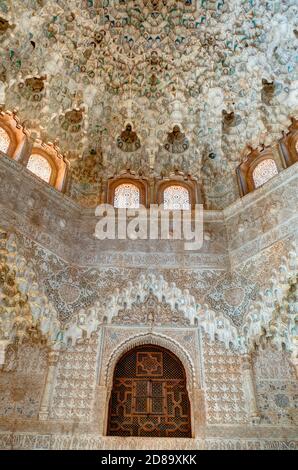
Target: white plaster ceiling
{"x":98,"y":65}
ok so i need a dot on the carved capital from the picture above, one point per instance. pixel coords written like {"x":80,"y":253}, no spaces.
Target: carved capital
{"x":246,"y":362}
{"x":53,"y":358}
{"x":47,"y":393}
{"x":43,"y":413}
{"x":255,"y":419}
{"x":249,"y":389}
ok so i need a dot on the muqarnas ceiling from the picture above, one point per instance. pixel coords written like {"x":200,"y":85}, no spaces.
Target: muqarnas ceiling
{"x":79,"y":72}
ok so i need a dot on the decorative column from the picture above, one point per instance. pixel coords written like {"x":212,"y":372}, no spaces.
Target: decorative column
{"x":198,"y":405}
{"x":249,"y":389}
{"x":47,"y":392}
{"x":294,"y":356}
{"x":101,"y":403}
{"x":295,"y":364}
{"x":102,"y":409}
{"x":3,"y":346}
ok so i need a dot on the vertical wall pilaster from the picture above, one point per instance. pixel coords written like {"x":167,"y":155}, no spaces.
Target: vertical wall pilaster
{"x":198,"y":405}
{"x":3,"y":347}
{"x":23,"y":151}
{"x":48,"y":388}
{"x":103,"y":408}
{"x":249,"y":389}
{"x":294,"y":361}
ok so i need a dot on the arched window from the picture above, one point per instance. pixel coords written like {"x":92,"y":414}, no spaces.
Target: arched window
{"x":4,"y":140}
{"x":127,"y":196}
{"x":40,"y":167}
{"x":176,"y":197}
{"x":149,"y":396}
{"x":264,"y":171}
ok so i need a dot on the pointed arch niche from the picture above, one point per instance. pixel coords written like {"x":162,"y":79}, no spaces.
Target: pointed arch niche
{"x":134,"y":341}
{"x":40,"y":166}
{"x":4,"y":140}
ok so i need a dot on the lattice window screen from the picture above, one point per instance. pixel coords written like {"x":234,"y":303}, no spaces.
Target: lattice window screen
{"x":40,"y":167}
{"x":264,"y":171}
{"x":4,"y":140}
{"x":127,"y":196}
{"x":176,"y":198}
{"x":149,"y":396}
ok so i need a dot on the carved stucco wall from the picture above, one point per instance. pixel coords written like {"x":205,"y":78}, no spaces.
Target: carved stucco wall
{"x":75,"y":394}
{"x":74,"y":386}
{"x":22,"y":381}
{"x":213,"y":295}
{"x":276,"y":388}
{"x":232,"y":236}
{"x":223,"y":385}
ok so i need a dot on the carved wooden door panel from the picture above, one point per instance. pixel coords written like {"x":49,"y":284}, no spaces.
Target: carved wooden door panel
{"x":149,"y":396}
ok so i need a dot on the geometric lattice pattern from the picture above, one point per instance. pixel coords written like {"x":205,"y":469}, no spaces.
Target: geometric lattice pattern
{"x":276,"y":388}
{"x":264,"y":171}
{"x":4,"y":140}
{"x":176,"y":198}
{"x":127,"y":196}
{"x":149,"y":396}
{"x":224,"y":385}
{"x":75,"y":383}
{"x":40,"y":167}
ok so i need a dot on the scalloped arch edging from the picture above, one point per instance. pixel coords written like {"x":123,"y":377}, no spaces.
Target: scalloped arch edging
{"x":155,"y":339}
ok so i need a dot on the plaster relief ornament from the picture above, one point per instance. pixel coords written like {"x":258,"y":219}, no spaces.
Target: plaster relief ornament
{"x":4,"y":26}
{"x":88,"y":169}
{"x":268,"y":91}
{"x":33,"y":88}
{"x":72,"y":121}
{"x":151,"y":311}
{"x":128,"y":141}
{"x":155,"y":5}
{"x":230,"y":120}
{"x":15,"y":313}
{"x":176,"y":141}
